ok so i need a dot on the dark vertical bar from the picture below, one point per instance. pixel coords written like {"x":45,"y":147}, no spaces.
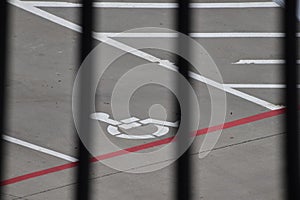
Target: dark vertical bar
{"x":291,"y":98}
{"x":82,"y":192}
{"x":3,"y":75}
{"x":183,"y":165}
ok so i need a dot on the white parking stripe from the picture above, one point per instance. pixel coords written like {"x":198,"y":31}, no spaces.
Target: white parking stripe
{"x":235,"y":92}
{"x":154,"y":5}
{"x":195,"y":35}
{"x":195,"y":76}
{"x":139,"y":53}
{"x":261,"y":62}
{"x":38,"y":148}
{"x":257,"y":86}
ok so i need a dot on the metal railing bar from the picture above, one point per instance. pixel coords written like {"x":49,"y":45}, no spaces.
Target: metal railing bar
{"x":183,"y":164}
{"x":83,"y":170}
{"x":291,"y":99}
{"x":3,"y":79}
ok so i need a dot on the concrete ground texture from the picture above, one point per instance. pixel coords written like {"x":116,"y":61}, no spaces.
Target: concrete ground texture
{"x":240,"y":79}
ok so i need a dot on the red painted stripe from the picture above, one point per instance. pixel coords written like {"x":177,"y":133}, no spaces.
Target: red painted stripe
{"x":38,"y":173}
{"x":226,"y":125}
{"x":242,"y":121}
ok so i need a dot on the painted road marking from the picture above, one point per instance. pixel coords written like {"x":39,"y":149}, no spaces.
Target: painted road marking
{"x":195,"y":35}
{"x":149,"y":145}
{"x":38,"y":148}
{"x":235,"y":92}
{"x":261,"y":62}
{"x":258,"y":86}
{"x":140,"y":54}
{"x":104,"y":117}
{"x":133,"y":122}
{"x":130,"y":120}
{"x":137,"y":148}
{"x":169,"y":65}
{"x":163,"y":123}
{"x":77,"y":28}
{"x":130,"y":125}
{"x":154,"y":5}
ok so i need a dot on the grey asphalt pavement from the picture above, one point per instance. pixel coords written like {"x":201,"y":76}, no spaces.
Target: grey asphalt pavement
{"x":246,"y":162}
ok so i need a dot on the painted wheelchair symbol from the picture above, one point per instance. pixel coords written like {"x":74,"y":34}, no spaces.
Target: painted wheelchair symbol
{"x":162,"y":127}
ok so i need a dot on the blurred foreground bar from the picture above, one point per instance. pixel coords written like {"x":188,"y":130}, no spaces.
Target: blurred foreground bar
{"x":183,"y":164}
{"x":3,"y":78}
{"x":83,"y":170}
{"x":291,"y":99}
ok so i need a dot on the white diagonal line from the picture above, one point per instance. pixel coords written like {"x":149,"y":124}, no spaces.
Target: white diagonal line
{"x":154,"y":5}
{"x":45,"y":15}
{"x":235,"y":92}
{"x":140,"y":54}
{"x":39,"y":148}
{"x":195,"y":76}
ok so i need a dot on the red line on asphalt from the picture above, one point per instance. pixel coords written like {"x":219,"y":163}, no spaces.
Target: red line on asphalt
{"x":226,"y":125}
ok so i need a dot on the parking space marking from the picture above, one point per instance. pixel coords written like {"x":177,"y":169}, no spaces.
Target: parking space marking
{"x":261,"y":62}
{"x":193,"y":75}
{"x":162,"y":127}
{"x":148,"y":57}
{"x":235,"y":92}
{"x":58,"y":20}
{"x":38,"y":148}
{"x":145,"y":146}
{"x":258,"y":86}
{"x":195,"y":35}
{"x":140,"y":54}
{"x":127,"y":5}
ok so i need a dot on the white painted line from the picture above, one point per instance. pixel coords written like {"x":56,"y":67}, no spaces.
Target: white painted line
{"x":133,"y":122}
{"x":135,"y":137}
{"x":38,"y":148}
{"x":195,"y":35}
{"x":153,"y":5}
{"x":131,"y":125}
{"x":141,"y":54}
{"x":53,"y":4}
{"x":104,"y":117}
{"x":160,"y":122}
{"x":58,"y":20}
{"x":130,"y":120}
{"x":257,"y":86}
{"x":232,"y":91}
{"x":161,"y":131}
{"x":261,"y":62}
{"x":113,"y":130}
{"x":27,"y":6}
{"x":195,"y":76}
